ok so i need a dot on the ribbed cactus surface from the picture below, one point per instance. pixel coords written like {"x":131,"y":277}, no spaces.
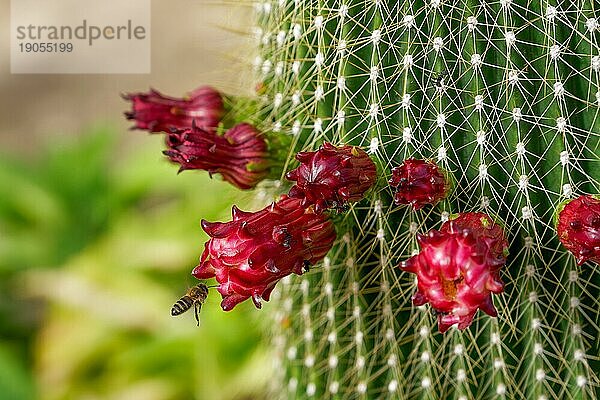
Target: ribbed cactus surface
{"x":505,"y":96}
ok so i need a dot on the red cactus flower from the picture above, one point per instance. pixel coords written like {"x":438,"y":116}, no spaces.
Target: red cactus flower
{"x":578,"y":228}
{"x":156,"y":112}
{"x":419,"y":182}
{"x":331,"y":177}
{"x":458,"y":268}
{"x":240,"y":155}
{"x":250,"y":254}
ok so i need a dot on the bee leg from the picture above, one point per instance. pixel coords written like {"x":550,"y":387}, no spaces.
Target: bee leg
{"x":196,"y":311}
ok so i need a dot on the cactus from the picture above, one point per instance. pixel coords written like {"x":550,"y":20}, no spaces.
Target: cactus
{"x":483,"y":120}
{"x":502,"y":95}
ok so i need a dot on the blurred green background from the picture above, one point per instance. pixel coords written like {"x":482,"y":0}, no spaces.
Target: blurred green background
{"x":96,"y":243}
{"x":98,"y":233}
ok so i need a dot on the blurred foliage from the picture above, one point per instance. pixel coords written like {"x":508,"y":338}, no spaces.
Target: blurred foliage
{"x":97,"y":240}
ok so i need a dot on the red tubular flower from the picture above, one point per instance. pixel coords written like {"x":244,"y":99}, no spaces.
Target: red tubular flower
{"x":419,"y":182}
{"x":578,"y":228}
{"x":250,"y":254}
{"x":156,"y":112}
{"x":240,"y":155}
{"x":458,"y":268}
{"x":331,"y":177}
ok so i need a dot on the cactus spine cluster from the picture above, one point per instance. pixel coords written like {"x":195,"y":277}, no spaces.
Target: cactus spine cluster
{"x":504,"y":95}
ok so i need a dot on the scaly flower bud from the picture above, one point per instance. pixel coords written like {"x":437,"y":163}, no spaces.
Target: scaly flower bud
{"x":419,"y":182}
{"x":156,"y":112}
{"x":332,"y":177}
{"x":250,"y":254}
{"x":578,"y":228}
{"x":240,"y":155}
{"x":458,"y":268}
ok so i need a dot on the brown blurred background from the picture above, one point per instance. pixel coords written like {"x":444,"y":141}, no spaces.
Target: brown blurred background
{"x":193,"y":42}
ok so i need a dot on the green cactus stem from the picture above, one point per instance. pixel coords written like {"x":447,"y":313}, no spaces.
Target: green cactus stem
{"x":505,"y":96}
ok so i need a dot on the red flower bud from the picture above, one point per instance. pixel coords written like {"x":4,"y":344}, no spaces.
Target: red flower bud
{"x":419,"y":182}
{"x":250,"y":254}
{"x":579,"y":228}
{"x":331,"y":177}
{"x":458,"y":268}
{"x":240,"y":155}
{"x":156,"y":112}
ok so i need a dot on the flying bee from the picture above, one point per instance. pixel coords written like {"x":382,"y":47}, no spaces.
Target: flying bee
{"x":195,"y":296}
